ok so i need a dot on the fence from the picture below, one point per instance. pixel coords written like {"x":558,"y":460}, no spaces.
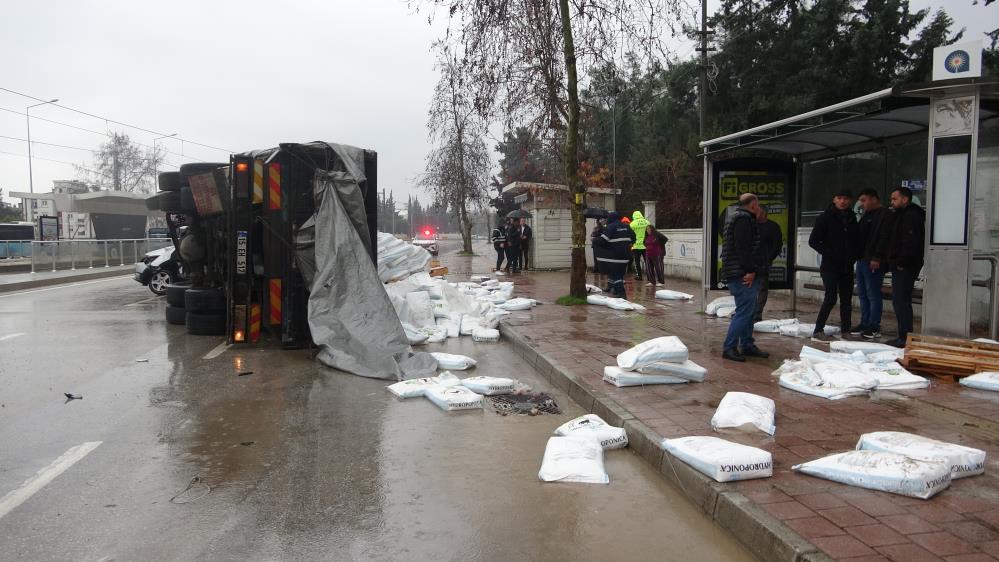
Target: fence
{"x":15,"y":249}
{"x":88,"y":254}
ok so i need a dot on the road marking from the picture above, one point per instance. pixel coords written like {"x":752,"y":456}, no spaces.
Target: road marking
{"x":11,"y":336}
{"x":219,"y":350}
{"x":19,"y":293}
{"x":45,"y":475}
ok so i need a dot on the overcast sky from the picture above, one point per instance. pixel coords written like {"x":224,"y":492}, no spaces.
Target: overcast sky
{"x":236,"y":75}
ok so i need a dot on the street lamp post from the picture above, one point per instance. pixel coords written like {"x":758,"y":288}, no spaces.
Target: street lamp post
{"x":31,"y":178}
{"x":154,"y":157}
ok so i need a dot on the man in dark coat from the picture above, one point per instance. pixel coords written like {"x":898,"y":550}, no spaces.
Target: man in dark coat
{"x":740,"y":260}
{"x":771,"y":244}
{"x":901,"y":243}
{"x":526,"y":236}
{"x":615,"y":252}
{"x":498,"y":239}
{"x":836,"y":238}
{"x":869,"y":278}
{"x":512,"y":246}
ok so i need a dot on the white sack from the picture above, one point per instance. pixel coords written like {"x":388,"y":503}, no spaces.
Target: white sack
{"x":573,"y":459}
{"x":712,"y":308}
{"x":892,"y":376}
{"x":453,"y":398}
{"x":725,"y":311}
{"x":593,"y":289}
{"x":421,"y":309}
{"x":620,"y":304}
{"x":414,"y":388}
{"x":453,"y":328}
{"x":963,"y":461}
{"x":517,"y":304}
{"x":801,"y":330}
{"x":888,"y":356}
{"x":686,"y":370}
{"x":593,"y":426}
{"x":888,"y":472}
{"x":832,"y":380}
{"x":738,"y":409}
{"x":414,"y":335}
{"x":666,"y":348}
{"x":599,"y":300}
{"x":469,"y":324}
{"x":452,"y":362}
{"x":619,"y":377}
{"x":485,"y":334}
{"x":817,"y":355}
{"x":435,"y":334}
{"x":773,"y":326}
{"x":721,"y":460}
{"x":489,"y":386}
{"x":982,"y":381}
{"x":441,"y":308}
{"x":670,"y":295}
{"x":865,"y":347}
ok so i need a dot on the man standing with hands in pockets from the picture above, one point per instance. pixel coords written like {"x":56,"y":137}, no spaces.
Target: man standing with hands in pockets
{"x":739,"y":255}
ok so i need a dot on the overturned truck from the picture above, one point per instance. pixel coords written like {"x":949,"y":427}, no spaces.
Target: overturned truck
{"x":280,"y":245}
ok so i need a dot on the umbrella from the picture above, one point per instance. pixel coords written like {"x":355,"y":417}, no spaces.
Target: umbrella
{"x":595,"y":213}
{"x":518,"y":214}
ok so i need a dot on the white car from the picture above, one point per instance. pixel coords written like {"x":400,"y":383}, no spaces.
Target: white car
{"x":428,"y":244}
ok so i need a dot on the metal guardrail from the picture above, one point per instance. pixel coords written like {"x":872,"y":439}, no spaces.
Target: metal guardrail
{"x":88,"y":254}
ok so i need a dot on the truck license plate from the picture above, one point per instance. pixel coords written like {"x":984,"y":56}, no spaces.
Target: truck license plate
{"x":241,"y":252}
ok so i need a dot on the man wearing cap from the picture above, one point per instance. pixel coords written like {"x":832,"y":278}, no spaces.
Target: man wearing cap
{"x":836,"y":237}
{"x":615,"y":252}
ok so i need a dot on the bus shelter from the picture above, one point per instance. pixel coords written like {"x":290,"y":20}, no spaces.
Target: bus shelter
{"x":940,"y":139}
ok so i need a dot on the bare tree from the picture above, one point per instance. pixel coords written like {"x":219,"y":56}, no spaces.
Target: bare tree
{"x":122,"y":165}
{"x":457,"y":170}
{"x":523,"y":59}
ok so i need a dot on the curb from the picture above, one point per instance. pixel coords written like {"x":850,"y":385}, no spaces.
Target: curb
{"x":49,"y":281}
{"x":762,"y":534}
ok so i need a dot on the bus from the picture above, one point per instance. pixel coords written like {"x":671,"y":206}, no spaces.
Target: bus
{"x":15,"y":239}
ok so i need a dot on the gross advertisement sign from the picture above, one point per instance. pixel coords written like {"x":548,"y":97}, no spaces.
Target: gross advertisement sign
{"x":49,"y":228}
{"x":773,"y":183}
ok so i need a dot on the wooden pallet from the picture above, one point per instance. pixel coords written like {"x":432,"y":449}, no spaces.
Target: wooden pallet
{"x":950,"y":358}
{"x":437,"y":271}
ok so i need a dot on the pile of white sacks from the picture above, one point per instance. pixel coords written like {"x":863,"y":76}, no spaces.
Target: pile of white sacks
{"x":848,"y":369}
{"x":432,"y":309}
{"x":576,"y":452}
{"x":724,"y":307}
{"x":450,"y":393}
{"x":398,"y":259}
{"x":663,"y":360}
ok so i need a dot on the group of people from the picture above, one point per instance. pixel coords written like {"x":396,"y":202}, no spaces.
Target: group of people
{"x":512,"y":242}
{"x":881,"y":241}
{"x":620,"y":243}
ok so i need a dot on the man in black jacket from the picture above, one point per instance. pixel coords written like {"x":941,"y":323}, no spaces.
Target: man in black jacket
{"x":512,"y":246}
{"x":771,"y":244}
{"x":615,"y":252}
{"x":526,"y":236}
{"x":901,"y":243}
{"x":869,"y":278}
{"x":836,"y":238}
{"x":498,"y":238}
{"x":740,"y":260}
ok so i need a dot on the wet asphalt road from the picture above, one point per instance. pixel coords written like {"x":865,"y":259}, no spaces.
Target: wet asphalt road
{"x":303,"y":463}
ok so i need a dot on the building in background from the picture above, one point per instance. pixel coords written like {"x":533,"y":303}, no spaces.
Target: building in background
{"x":85,"y":214}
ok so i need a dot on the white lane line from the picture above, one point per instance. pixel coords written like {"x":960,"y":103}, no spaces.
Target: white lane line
{"x":44,"y":476}
{"x":219,"y":350}
{"x":11,"y":336}
{"x":66,"y":286}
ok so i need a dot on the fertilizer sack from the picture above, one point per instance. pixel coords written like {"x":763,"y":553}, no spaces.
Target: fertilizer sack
{"x":963,"y":461}
{"x":485,"y":334}
{"x":598,"y":300}
{"x":773,"y":326}
{"x":452,"y":362}
{"x":621,"y":378}
{"x":573,"y":459}
{"x":593,"y":426}
{"x":489,"y":386}
{"x":686,"y":370}
{"x":892,"y":376}
{"x":517,"y":304}
{"x":414,"y":335}
{"x":738,"y":409}
{"x":414,"y":388}
{"x":721,"y":302}
{"x":668,"y":348}
{"x":453,"y":398}
{"x":421,"y":309}
{"x":887,"y":472}
{"x":833,"y":380}
{"x":721,"y":460}
{"x":670,"y":295}
{"x":982,"y":381}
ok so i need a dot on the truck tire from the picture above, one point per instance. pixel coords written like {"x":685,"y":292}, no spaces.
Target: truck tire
{"x":176,"y":315}
{"x":153,"y":202}
{"x":175,"y":294}
{"x":199,"y":324}
{"x":166,"y":201}
{"x":169,"y":181}
{"x":187,"y":201}
{"x":204,"y":300}
{"x":195,"y":168}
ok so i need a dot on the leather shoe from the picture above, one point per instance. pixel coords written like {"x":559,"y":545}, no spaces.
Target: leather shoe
{"x":755,"y":352}
{"x":733,"y":355}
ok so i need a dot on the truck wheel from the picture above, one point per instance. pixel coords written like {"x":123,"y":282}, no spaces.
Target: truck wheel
{"x":153,"y":202}
{"x":176,"y":315}
{"x":187,"y":201}
{"x":204,"y":300}
{"x":199,"y":324}
{"x":169,"y":181}
{"x":175,"y":294}
{"x":166,"y":201}
{"x":195,"y":168}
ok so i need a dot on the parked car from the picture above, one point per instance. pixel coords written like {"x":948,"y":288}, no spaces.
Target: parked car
{"x":158,"y":269}
{"x":428,"y":243}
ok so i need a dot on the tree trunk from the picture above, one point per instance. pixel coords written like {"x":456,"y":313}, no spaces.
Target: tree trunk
{"x":466,"y":228}
{"x":577,"y":272}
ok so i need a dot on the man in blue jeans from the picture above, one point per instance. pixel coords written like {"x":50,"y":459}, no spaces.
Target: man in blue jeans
{"x":870,"y":278}
{"x":901,"y":247}
{"x":740,"y":244}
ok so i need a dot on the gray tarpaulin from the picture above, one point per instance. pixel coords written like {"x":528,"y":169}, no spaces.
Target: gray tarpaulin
{"x":350,"y":315}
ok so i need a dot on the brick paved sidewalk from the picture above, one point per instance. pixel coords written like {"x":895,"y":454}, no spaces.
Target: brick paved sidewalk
{"x":844,"y":522}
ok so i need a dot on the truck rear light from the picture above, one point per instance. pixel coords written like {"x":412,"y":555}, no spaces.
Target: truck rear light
{"x":242,"y":166}
{"x":238,"y":336}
